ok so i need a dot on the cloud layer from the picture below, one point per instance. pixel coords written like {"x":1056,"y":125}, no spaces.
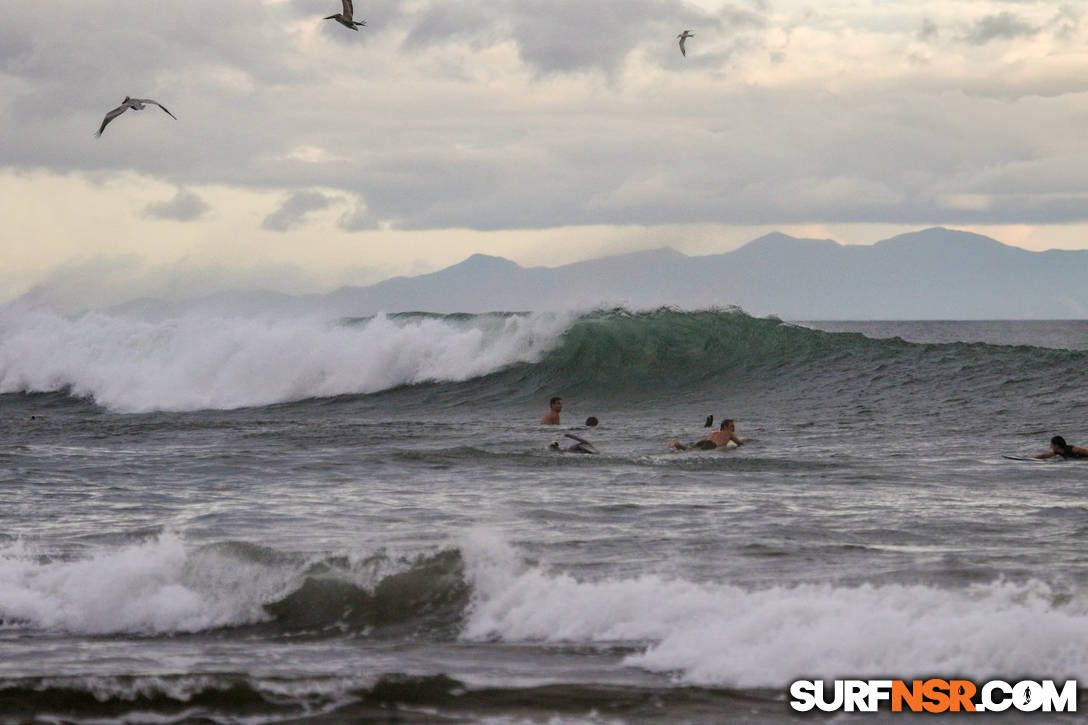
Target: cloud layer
{"x":531,"y":114}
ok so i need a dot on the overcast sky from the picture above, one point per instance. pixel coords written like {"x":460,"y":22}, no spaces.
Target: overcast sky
{"x":305,"y":155}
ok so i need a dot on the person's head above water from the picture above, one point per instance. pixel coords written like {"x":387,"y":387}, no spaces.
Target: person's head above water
{"x":555,"y":406}
{"x":591,"y":421}
{"x":1058,"y":442}
{"x":727,"y":423}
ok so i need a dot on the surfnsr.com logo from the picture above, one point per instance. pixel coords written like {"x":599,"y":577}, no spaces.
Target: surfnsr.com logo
{"x":933,"y":695}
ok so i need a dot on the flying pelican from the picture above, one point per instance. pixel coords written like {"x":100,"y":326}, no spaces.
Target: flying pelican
{"x":683,"y":36}
{"x":136,"y":104}
{"x":344,"y":18}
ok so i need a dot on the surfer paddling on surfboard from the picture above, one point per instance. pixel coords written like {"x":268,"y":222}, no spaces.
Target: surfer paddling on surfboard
{"x":1058,"y":447}
{"x":720,"y":438}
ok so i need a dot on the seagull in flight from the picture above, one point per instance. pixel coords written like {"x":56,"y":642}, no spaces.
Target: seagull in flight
{"x":344,"y":18}
{"x":136,"y":104}
{"x":683,"y":36}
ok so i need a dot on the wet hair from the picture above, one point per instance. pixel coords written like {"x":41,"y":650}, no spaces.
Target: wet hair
{"x":726,"y":422}
{"x":591,"y":421}
{"x":1058,"y":441}
{"x":554,"y":400}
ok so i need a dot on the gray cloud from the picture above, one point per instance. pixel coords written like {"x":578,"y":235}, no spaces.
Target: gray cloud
{"x":896,"y":160}
{"x":293,"y":212}
{"x":1003,"y":26}
{"x":14,"y":46}
{"x":443,"y":22}
{"x":358,"y":219}
{"x":929,"y":30}
{"x":564,"y":36}
{"x":184,"y":207}
{"x":573,"y":36}
{"x":1067,"y":22}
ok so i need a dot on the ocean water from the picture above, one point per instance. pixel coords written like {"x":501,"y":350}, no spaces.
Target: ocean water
{"x":238,"y":519}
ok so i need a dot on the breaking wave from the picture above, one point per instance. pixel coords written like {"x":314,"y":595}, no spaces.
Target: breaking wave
{"x":707,"y":633}
{"x":202,"y":361}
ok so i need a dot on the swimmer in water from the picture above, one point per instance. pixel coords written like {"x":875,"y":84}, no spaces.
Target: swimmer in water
{"x":555,"y":407}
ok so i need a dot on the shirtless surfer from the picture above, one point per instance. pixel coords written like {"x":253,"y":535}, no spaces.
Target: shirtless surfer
{"x":1058,"y":447}
{"x":555,"y":405}
{"x":718,"y":439}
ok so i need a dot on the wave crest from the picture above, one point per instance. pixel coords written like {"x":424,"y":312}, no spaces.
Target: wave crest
{"x":206,"y":362}
{"x":708,"y":633}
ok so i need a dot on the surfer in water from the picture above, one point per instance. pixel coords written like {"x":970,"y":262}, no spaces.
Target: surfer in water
{"x":581,"y":445}
{"x":555,"y":406}
{"x":718,"y":439}
{"x":1058,"y":447}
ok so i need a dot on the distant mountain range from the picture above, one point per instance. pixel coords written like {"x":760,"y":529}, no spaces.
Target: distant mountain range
{"x":932,"y":274}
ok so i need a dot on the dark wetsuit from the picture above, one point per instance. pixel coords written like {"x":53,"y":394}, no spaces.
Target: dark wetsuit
{"x":1068,"y":452}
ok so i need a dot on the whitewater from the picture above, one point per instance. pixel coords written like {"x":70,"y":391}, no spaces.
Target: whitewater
{"x":219,"y":361}
{"x":226,"y":517}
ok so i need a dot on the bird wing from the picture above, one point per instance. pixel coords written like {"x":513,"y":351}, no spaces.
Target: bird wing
{"x":110,"y":116}
{"x":348,"y":10}
{"x":148,"y":100}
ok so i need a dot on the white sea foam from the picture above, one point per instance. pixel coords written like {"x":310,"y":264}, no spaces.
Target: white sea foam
{"x":203,"y":361}
{"x":722,"y":635}
{"x":152,"y":587}
{"x":712,"y":634}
